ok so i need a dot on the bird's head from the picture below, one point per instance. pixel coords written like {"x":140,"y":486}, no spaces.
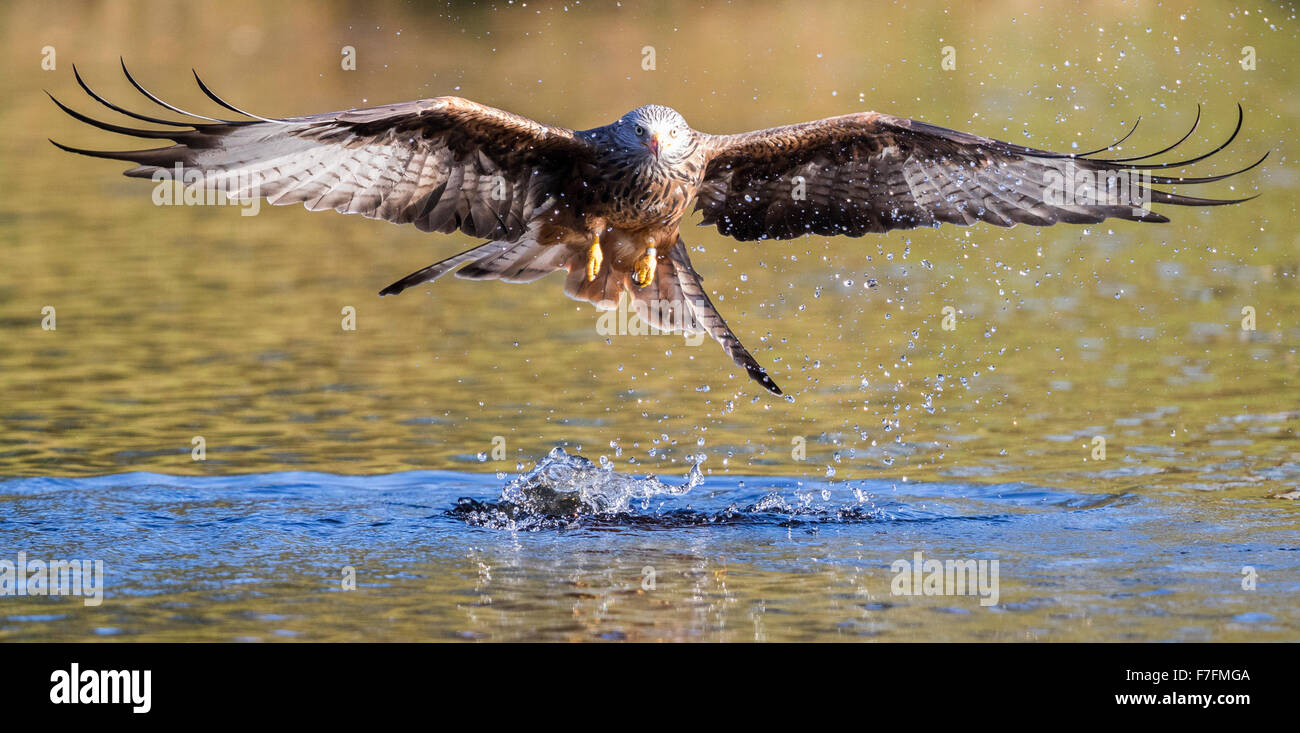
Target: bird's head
{"x":656,"y":131}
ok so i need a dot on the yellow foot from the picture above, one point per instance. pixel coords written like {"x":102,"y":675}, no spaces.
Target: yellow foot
{"x":644,"y":268}
{"x":594,"y":258}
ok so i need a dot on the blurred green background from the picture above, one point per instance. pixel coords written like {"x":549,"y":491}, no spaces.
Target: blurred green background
{"x":174,"y":322}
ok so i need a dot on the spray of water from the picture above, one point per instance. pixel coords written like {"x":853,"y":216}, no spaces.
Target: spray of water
{"x":563,"y":488}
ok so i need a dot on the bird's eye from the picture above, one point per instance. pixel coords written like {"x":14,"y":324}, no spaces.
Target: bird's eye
{"x":640,"y":131}
{"x":672,"y":132}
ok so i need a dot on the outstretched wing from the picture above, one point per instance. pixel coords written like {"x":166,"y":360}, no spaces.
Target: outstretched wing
{"x":443,"y":164}
{"x":870,"y":172}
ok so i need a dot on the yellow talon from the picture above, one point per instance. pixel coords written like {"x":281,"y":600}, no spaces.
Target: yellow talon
{"x":644,"y":268}
{"x":594,"y":258}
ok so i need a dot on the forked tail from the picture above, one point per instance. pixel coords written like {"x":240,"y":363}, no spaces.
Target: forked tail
{"x":674,"y":300}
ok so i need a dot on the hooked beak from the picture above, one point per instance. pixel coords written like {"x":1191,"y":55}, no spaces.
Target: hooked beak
{"x":653,"y":144}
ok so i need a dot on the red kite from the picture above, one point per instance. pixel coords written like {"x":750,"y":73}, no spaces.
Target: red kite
{"x":605,"y":204}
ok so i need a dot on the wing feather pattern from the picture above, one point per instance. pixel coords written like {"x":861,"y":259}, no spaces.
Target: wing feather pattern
{"x":444,"y":164}
{"x":870,"y":172}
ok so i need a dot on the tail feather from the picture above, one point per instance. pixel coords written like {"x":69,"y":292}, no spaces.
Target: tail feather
{"x":536,"y":263}
{"x":442,"y":267}
{"x":663,"y":303}
{"x":674,"y":301}
{"x":604,"y":291}
{"x":707,"y":316}
{"x":522,"y":262}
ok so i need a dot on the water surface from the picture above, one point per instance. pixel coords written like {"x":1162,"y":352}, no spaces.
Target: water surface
{"x":265,"y":557}
{"x":327,"y":448}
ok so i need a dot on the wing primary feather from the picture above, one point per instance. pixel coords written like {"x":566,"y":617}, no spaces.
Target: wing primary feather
{"x":231,"y":107}
{"x":133,"y":132}
{"x":1181,"y":140}
{"x":1164,"y":197}
{"x":1085,"y":156}
{"x":172,"y":107}
{"x":123,"y":110}
{"x":1128,"y":135}
{"x":1172,"y":180}
{"x":1241,"y":116}
{"x":131,"y":156}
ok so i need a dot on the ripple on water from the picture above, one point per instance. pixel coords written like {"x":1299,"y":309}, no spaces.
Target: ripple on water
{"x":568,"y":491}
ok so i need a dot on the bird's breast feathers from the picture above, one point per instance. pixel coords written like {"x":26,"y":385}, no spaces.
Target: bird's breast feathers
{"x":644,"y":193}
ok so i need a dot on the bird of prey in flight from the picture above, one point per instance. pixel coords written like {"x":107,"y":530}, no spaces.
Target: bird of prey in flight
{"x":605,"y":204}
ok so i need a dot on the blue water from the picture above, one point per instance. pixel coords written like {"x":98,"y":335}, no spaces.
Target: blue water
{"x":442,"y":555}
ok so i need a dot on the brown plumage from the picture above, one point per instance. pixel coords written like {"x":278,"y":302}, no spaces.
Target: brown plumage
{"x":605,"y":204}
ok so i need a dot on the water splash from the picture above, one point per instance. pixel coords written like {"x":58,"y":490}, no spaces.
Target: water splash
{"x":563,"y":488}
{"x":567,"y":491}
